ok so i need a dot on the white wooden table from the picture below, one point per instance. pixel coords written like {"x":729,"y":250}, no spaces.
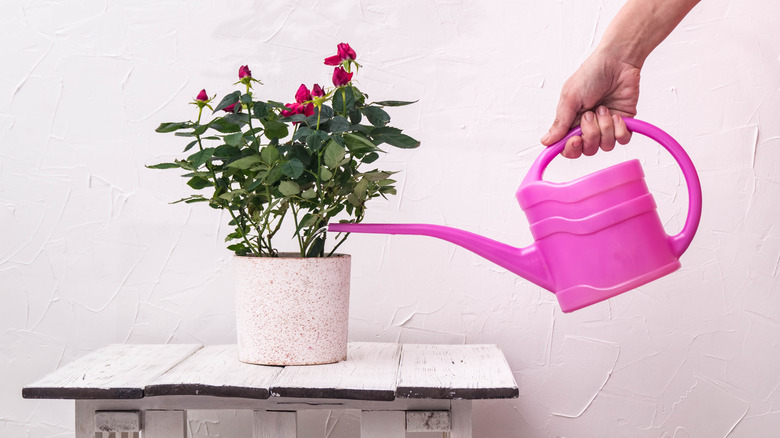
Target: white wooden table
{"x":146,"y":390}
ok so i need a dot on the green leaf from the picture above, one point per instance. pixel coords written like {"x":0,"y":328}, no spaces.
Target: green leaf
{"x":339,"y":124}
{"x":269,"y":154}
{"x":198,"y":158}
{"x":325,"y":174}
{"x":355,"y":116}
{"x":274,"y":175}
{"x":191,"y":199}
{"x":225,"y":151}
{"x":358,"y":144}
{"x":289,"y":188}
{"x":301,"y":132}
{"x":245,"y":162}
{"x":234,"y":139}
{"x":343,"y":98}
{"x":293,"y":118}
{"x":190,"y":145}
{"x":293,"y":168}
{"x":317,"y":248}
{"x":309,"y":194}
{"x":353,"y":199}
{"x":198,"y":183}
{"x":334,"y":153}
{"x":361,"y":189}
{"x":275,"y":104}
{"x":376,"y":175}
{"x":274,"y":129}
{"x":200,"y":129}
{"x":326,"y":113}
{"x":394,"y":137}
{"x":184,"y":164}
{"x":224,"y":126}
{"x":394,"y":103}
{"x":370,"y":157}
{"x":239,"y":119}
{"x":228,"y":100}
{"x":260,"y":109}
{"x":314,"y":140}
{"x":300,"y":152}
{"x":255,"y":184}
{"x":163,"y":166}
{"x":377,"y":116}
{"x":170,"y":127}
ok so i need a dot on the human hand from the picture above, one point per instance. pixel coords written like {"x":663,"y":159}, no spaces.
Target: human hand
{"x":596,"y":97}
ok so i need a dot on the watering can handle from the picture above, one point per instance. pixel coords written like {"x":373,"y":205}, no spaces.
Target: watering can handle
{"x":680,"y":241}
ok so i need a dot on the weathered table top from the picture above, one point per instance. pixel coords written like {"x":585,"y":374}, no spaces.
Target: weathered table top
{"x":372,"y":371}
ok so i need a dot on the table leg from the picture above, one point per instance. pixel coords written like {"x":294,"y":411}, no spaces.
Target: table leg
{"x":275,"y":424}
{"x":383,"y":424}
{"x":461,"y":419}
{"x":85,"y":419}
{"x":165,"y":424}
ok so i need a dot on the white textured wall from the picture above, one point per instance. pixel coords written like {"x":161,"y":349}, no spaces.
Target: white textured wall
{"x":91,"y":253}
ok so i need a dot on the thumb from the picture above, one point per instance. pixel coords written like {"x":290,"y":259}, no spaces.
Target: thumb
{"x":564,"y":118}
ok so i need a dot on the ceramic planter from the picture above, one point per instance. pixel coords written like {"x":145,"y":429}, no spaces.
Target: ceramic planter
{"x":292,"y":310}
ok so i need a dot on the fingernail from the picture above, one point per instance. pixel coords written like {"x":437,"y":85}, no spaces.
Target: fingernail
{"x":588,"y":116}
{"x":602,"y":110}
{"x":615,"y":118}
{"x":576,"y":143}
{"x":545,"y":137}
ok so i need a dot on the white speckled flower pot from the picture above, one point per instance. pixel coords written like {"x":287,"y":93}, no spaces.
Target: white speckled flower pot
{"x":292,"y":310}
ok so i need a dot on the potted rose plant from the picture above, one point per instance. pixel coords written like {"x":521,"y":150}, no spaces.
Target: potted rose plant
{"x":308,"y":161}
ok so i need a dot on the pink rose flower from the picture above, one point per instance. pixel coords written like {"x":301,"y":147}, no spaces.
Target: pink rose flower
{"x":293,"y":108}
{"x":345,"y":53}
{"x":298,"y":108}
{"x":232,"y":108}
{"x":333,"y":60}
{"x":202,"y":96}
{"x":317,"y":91}
{"x":303,"y":94}
{"x":244,"y":72}
{"x":341,"y":77}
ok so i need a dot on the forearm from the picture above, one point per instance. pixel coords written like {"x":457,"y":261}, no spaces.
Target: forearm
{"x":640,"y":26}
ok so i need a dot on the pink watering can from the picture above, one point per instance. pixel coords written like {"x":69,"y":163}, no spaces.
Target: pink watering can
{"x":595,"y":237}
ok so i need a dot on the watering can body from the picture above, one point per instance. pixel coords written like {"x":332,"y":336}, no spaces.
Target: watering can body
{"x":595,"y":237}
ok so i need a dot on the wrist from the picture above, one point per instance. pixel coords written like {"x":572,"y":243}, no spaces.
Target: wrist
{"x":631,"y":51}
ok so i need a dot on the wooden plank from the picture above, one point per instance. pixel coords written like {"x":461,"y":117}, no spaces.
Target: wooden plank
{"x":165,"y":424}
{"x":215,"y":370}
{"x":275,"y":424}
{"x":113,"y":372}
{"x":454,"y":372}
{"x":461,"y":419}
{"x":118,"y":421}
{"x":369,"y":373}
{"x":85,"y":419}
{"x":428,"y":421}
{"x":382,"y":424}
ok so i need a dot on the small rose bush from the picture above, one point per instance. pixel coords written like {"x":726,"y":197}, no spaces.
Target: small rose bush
{"x":265,"y":161}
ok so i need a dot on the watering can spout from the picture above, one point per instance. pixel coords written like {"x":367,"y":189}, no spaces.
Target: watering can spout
{"x":526,"y":262}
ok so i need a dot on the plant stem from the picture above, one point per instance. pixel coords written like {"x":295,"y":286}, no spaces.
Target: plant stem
{"x":298,"y":231}
{"x":344,"y":99}
{"x":214,"y":178}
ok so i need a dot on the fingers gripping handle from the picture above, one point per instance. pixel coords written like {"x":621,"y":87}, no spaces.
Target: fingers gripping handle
{"x":679,"y":241}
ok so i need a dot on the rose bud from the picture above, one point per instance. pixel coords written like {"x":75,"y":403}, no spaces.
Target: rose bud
{"x":341,"y":77}
{"x":303,"y":94}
